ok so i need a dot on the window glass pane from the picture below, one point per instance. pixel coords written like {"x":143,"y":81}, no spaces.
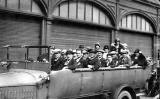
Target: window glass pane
{"x":95,"y":15}
{"x":108,"y":22}
{"x":129,"y":21}
{"x":2,"y":3}
{"x":25,"y":5}
{"x":102,"y":18}
{"x":147,"y":26}
{"x":64,"y":9}
{"x":80,"y":10}
{"x":143,"y":24}
{"x":134,"y":22}
{"x":13,"y":4}
{"x":72,"y":10}
{"x":120,"y":23}
{"x":124,"y":22}
{"x":150,"y":29}
{"x":138,"y":23}
{"x":56,"y":11}
{"x":88,"y":12}
{"x":35,"y":8}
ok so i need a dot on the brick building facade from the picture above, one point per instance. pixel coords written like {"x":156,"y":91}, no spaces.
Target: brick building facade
{"x":69,"y":23}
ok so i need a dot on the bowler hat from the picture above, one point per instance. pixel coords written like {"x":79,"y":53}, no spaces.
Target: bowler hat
{"x":57,"y":51}
{"x":113,"y":53}
{"x":69,"y":52}
{"x":100,"y":51}
{"x":105,"y":47}
{"x":97,"y":44}
{"x":117,"y":40}
{"x":137,"y":51}
{"x":81,"y":46}
{"x":92,"y":51}
{"x":84,"y":52}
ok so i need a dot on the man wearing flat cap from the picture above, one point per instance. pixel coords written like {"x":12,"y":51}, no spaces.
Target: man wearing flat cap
{"x":112,"y":59}
{"x":81,"y":61}
{"x":139,"y":59}
{"x":93,"y":61}
{"x":57,"y":60}
{"x":100,"y":56}
{"x":70,"y":62}
{"x":124,"y":59}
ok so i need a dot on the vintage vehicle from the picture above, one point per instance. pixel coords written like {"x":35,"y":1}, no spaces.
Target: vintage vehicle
{"x":31,"y":79}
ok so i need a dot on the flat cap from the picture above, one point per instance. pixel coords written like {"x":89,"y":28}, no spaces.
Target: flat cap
{"x":92,"y":51}
{"x":69,"y":52}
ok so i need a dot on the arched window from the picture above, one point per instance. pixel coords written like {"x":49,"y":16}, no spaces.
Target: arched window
{"x":136,"y":22}
{"x":21,"y":5}
{"x":80,"y":10}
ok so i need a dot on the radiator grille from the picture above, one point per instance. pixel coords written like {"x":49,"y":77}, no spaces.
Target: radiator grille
{"x":21,"y":92}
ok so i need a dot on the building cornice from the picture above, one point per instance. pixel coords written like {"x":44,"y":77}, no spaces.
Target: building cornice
{"x":148,"y":3}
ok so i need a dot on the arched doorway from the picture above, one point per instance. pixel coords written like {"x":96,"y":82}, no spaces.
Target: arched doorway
{"x":80,"y":23}
{"x":137,"y":31}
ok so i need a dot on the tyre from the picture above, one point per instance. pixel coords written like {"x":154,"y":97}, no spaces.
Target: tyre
{"x":124,"y":95}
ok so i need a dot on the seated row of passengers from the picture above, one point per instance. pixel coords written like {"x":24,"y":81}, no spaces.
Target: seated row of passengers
{"x":115,"y":55}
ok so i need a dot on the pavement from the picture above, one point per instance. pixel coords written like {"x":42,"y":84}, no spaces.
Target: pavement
{"x":144,"y":97}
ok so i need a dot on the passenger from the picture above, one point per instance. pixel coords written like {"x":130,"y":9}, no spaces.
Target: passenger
{"x":97,"y":46}
{"x":106,"y":51}
{"x":81,"y":47}
{"x":117,"y":46}
{"x":139,"y":59}
{"x":100,"y":56}
{"x":125,"y":59}
{"x":81,"y":61}
{"x":85,"y":58}
{"x":85,"y":54}
{"x":109,"y":62}
{"x":93,"y":61}
{"x":44,"y":57}
{"x":63,"y":54}
{"x":74,"y":54}
{"x":112,"y":59}
{"x":70,"y":63}
{"x":126,"y":48}
{"x":57,"y":61}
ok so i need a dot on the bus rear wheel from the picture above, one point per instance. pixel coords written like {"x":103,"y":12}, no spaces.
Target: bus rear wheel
{"x":124,"y":95}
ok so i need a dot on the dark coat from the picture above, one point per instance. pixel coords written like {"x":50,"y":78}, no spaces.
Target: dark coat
{"x":113,"y":63}
{"x":82,"y":63}
{"x":113,"y":48}
{"x":71,"y":64}
{"x":141,"y":60}
{"x":103,"y":62}
{"x":95,"y":62}
{"x":124,"y":60}
{"x":57,"y":64}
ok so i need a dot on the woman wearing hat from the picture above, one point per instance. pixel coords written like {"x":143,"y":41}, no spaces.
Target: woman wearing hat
{"x":100,"y":57}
